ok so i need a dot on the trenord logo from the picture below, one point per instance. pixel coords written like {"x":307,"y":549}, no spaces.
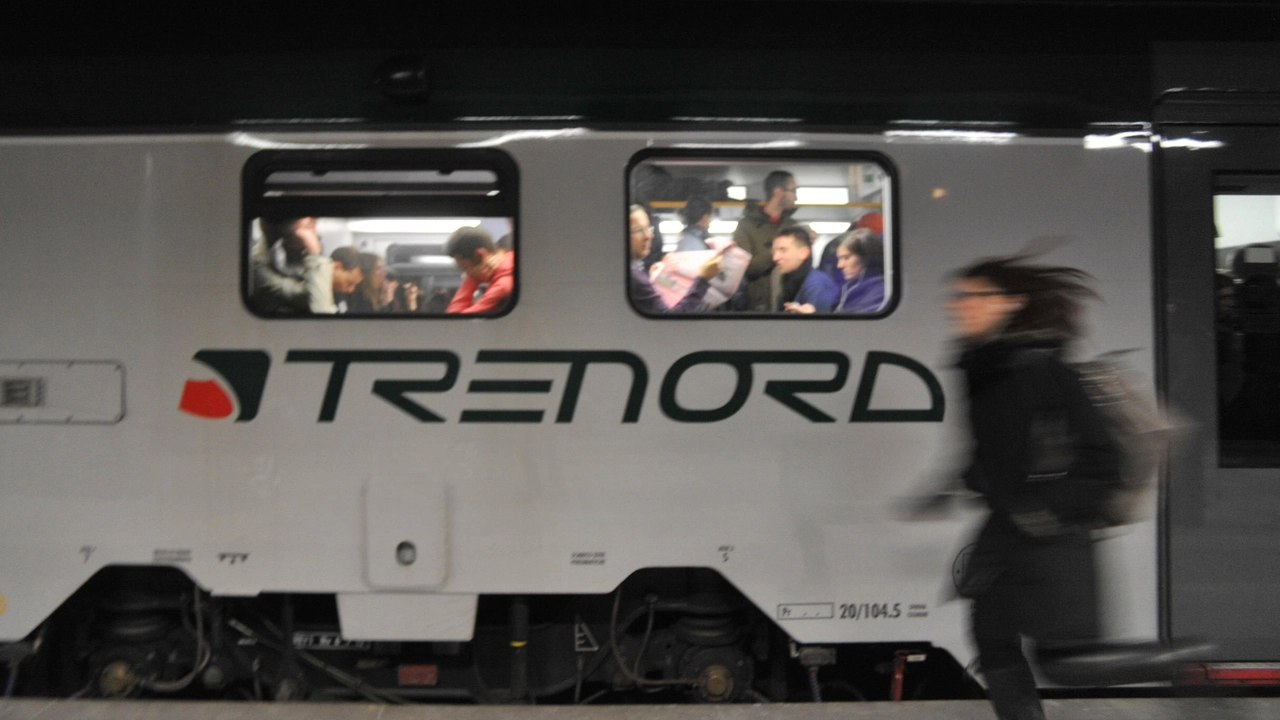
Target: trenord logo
{"x":244,"y":372}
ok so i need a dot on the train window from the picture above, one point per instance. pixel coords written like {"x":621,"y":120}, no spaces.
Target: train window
{"x":803,"y":235}
{"x":380,"y":233}
{"x":1247,"y":248}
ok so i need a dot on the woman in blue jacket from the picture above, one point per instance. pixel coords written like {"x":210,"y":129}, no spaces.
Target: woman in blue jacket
{"x":860,"y":258}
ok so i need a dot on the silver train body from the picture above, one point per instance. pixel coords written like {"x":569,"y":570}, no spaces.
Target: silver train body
{"x":124,"y":257}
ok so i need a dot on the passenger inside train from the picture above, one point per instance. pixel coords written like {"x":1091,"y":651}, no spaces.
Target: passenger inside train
{"x":802,"y":288}
{"x":291,"y":275}
{"x":484,"y":263}
{"x":644,"y":296}
{"x":859,"y":257}
{"x":380,"y":266}
{"x":778,"y":252}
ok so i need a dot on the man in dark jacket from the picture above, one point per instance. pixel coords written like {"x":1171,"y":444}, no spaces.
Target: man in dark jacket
{"x":756,"y":230}
{"x":802,"y":289}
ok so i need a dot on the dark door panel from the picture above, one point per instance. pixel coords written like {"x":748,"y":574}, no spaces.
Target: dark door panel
{"x":1218,"y":201}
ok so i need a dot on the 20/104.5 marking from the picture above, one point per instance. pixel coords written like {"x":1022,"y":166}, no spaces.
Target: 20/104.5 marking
{"x":870,"y":611}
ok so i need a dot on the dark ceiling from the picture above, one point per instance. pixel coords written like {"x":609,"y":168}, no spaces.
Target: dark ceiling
{"x":1042,"y":64}
{"x":76,"y":28}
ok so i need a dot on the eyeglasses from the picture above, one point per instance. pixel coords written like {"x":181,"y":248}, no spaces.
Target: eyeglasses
{"x":643,"y":230}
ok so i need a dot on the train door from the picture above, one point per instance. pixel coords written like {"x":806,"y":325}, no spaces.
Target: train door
{"x":1218,"y":205}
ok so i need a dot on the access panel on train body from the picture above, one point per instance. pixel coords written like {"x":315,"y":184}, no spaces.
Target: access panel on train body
{"x":135,"y":251}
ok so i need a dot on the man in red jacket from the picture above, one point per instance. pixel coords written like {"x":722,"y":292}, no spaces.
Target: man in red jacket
{"x":482,"y":261}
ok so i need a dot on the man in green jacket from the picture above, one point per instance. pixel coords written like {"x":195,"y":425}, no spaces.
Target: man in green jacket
{"x":760,"y":223}
{"x":291,"y":276}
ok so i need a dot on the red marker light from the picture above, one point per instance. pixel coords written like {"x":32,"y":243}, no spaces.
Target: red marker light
{"x":203,"y":398}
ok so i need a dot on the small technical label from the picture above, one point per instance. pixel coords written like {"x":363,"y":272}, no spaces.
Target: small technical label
{"x":917,"y":610}
{"x":724,"y":551}
{"x":162,"y":555}
{"x":586,"y":558}
{"x":326,"y":640}
{"x":21,"y":392}
{"x":87,"y":551}
{"x":806,"y":611}
{"x":583,"y":640}
{"x":418,"y":675}
{"x":870,"y":611}
{"x":61,"y":392}
{"x":233,"y":558}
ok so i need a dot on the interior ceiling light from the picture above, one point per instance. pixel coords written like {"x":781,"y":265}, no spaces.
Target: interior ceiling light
{"x":670,"y":227}
{"x":723,"y":227}
{"x":822,"y":196}
{"x":737,"y":192}
{"x":829,"y":228}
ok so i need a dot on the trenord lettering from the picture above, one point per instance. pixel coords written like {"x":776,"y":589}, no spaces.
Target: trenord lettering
{"x":395,"y":391}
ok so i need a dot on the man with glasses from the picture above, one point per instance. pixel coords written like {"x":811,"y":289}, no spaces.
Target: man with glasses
{"x":759,"y":225}
{"x":643,"y":296}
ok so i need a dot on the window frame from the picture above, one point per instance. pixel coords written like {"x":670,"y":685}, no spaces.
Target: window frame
{"x":729,"y":155}
{"x":259,"y":166}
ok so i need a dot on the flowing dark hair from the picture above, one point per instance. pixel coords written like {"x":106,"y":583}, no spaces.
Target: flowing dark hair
{"x":1054,"y":295}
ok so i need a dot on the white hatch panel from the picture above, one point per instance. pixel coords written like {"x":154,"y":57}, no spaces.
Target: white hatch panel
{"x":406,"y":533}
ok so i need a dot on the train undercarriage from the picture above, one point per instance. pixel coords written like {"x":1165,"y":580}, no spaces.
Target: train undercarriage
{"x":666,"y":635}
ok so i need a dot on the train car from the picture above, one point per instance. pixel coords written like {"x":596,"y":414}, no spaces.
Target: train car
{"x":264,"y":435}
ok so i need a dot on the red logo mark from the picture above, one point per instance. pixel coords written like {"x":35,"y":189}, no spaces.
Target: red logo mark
{"x":203,"y":398}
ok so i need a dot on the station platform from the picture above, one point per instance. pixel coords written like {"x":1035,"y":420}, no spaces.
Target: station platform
{"x":1075,"y":709}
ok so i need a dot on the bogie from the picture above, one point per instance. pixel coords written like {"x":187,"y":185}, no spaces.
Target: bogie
{"x":666,"y":635}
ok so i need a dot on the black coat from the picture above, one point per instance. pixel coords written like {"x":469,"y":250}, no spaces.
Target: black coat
{"x":1044,"y":459}
{"x":1041,"y":450}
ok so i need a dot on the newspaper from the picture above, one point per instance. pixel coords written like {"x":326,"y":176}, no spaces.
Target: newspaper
{"x":674,"y":276}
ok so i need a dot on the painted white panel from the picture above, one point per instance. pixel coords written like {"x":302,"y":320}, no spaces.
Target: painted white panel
{"x":407,"y":616}
{"x":406,"y":532}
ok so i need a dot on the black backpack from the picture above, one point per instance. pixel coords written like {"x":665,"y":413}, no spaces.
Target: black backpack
{"x":1141,"y":430}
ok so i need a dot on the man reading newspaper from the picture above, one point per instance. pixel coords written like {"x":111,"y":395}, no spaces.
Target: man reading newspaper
{"x":676,"y":274}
